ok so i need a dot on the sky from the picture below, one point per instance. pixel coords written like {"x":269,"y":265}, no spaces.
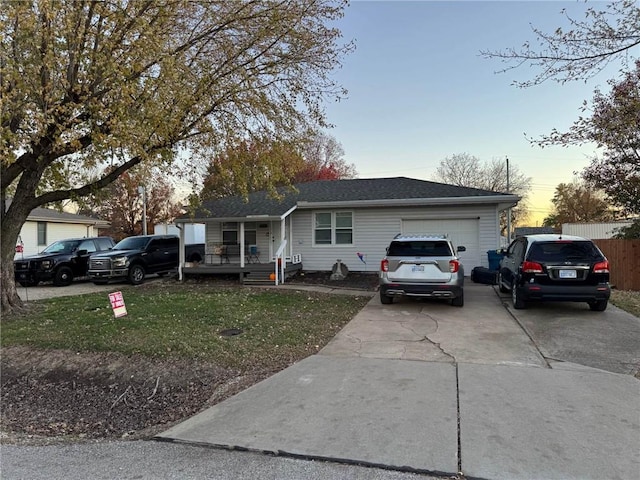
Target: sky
{"x":419,"y":91}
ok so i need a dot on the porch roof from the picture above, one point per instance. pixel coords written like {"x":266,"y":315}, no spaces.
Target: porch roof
{"x":368,"y":192}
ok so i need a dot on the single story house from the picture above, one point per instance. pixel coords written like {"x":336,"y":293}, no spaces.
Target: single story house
{"x":321,"y":222}
{"x":45,"y":226}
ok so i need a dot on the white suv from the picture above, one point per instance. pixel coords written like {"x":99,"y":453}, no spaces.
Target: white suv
{"x":422,"y":266}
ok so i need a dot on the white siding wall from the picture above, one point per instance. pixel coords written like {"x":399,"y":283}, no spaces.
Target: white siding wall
{"x":55,"y":232}
{"x":374,"y":229}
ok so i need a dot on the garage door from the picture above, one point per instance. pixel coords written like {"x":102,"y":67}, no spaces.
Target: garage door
{"x":461,"y":232}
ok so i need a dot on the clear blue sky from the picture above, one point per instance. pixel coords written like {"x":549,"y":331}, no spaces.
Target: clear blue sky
{"x":419,"y":91}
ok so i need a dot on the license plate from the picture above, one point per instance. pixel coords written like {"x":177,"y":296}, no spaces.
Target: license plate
{"x":417,"y":268}
{"x":568,"y":274}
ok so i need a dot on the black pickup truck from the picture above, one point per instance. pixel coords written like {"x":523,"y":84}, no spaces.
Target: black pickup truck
{"x":135,"y":257}
{"x":62,"y":261}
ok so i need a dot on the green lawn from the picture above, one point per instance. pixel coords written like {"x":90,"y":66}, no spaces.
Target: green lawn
{"x":186,"y":320}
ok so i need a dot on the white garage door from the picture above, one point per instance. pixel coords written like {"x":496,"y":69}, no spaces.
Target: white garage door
{"x":461,"y":232}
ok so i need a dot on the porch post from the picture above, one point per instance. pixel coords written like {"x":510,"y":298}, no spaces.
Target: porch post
{"x":283,"y":225}
{"x":181,"y":251}
{"x":241,"y":244}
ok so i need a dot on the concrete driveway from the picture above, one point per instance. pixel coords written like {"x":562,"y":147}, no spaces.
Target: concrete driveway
{"x":570,"y":332}
{"x":426,"y":387}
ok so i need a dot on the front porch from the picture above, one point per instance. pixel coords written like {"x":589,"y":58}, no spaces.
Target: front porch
{"x":250,"y":273}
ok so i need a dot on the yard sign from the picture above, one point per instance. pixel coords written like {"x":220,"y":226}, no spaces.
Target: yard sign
{"x":117,"y":304}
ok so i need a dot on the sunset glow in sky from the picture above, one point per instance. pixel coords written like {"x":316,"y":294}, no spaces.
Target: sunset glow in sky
{"x":419,"y":91}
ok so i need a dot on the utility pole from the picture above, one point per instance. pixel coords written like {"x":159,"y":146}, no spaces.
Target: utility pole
{"x":509,"y":209}
{"x":143,"y":191}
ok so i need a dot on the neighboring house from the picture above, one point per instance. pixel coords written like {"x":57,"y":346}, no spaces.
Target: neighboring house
{"x":44,"y":226}
{"x":594,"y":231}
{"x":352,"y":220}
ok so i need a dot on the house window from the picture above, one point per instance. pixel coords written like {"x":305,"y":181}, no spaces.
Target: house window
{"x":344,"y":228}
{"x":42,"y":233}
{"x":231,"y":235}
{"x":333,"y":228}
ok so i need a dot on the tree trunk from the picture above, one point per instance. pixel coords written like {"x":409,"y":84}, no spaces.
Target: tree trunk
{"x":12,"y":222}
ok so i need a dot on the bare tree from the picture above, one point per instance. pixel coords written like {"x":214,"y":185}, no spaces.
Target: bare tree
{"x":466,"y":170}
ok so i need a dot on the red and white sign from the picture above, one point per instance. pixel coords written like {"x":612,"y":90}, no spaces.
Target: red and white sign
{"x":117,"y":304}
{"x":19,"y":248}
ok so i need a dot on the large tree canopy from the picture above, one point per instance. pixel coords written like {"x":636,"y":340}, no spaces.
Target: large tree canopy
{"x":576,"y":202}
{"x":580,"y":51}
{"x":262,"y":164}
{"x":88,"y":84}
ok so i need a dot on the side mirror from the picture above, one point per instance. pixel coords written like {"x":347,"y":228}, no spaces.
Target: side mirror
{"x":82,"y":253}
{"x":461,"y":249}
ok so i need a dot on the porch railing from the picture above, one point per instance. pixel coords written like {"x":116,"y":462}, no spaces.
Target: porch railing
{"x":280,"y":262}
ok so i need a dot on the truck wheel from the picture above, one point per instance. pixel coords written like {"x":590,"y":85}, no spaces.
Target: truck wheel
{"x":63,"y":277}
{"x":136,"y":274}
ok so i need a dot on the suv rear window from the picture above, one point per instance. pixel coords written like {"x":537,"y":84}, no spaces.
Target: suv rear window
{"x":420,"y":248}
{"x":563,"y":250}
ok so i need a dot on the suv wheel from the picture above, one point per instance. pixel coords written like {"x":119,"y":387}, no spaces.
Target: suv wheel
{"x":136,"y":274}
{"x":63,"y":277}
{"x":516,"y":298}
{"x":458,"y":301}
{"x":598,"y":305}
{"x":385,"y":299}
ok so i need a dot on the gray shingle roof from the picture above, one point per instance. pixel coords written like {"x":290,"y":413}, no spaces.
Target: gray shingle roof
{"x":53,"y":216}
{"x":354,"y":190}
{"x":50,"y":215}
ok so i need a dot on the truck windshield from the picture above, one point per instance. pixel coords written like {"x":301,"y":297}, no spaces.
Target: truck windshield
{"x":64,"y":246}
{"x":132,"y":243}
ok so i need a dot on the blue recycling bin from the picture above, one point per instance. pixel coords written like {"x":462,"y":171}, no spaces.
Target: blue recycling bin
{"x":494,"y":259}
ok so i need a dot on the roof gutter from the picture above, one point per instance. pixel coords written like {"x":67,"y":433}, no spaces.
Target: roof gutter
{"x":504,"y":201}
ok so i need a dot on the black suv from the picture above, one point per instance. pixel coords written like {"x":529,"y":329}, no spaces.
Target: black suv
{"x":62,"y":261}
{"x":555,"y":267}
{"x":135,"y":257}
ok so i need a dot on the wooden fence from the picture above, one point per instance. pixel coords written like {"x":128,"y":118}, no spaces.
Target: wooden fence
{"x":624,"y":262}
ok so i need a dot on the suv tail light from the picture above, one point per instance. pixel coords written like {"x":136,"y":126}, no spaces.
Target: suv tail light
{"x":454,"y":266}
{"x":601,"y":267}
{"x":531,"y":267}
{"x":384,"y":265}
